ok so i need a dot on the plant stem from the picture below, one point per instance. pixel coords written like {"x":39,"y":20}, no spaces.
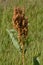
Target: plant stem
{"x":23,"y":55}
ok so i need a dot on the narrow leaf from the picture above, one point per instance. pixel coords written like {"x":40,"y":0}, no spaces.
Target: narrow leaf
{"x":15,"y":42}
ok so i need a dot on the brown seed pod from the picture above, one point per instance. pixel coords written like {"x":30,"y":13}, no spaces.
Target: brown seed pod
{"x":20,"y":22}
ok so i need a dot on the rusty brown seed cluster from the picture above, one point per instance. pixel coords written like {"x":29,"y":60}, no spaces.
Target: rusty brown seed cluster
{"x":20,"y":22}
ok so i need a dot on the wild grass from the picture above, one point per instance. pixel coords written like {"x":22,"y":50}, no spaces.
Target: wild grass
{"x":34,"y":10}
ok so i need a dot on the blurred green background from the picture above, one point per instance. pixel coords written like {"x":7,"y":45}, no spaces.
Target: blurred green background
{"x":34,"y":11}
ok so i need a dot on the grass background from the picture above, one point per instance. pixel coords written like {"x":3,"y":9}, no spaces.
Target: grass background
{"x":34,"y":11}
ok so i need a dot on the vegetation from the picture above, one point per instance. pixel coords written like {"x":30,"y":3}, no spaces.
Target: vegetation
{"x":9,"y":55}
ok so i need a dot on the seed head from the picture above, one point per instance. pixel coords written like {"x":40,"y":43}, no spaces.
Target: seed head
{"x":20,"y":22}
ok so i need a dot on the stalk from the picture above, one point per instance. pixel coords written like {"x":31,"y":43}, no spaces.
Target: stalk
{"x":23,"y":55}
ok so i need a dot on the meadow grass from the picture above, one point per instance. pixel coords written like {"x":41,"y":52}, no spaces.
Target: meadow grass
{"x":34,"y":11}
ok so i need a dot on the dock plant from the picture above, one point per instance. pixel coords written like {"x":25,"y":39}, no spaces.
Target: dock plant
{"x":20,"y":24}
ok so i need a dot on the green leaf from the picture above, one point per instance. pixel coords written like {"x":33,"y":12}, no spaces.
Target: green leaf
{"x":15,"y":42}
{"x":36,"y":61}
